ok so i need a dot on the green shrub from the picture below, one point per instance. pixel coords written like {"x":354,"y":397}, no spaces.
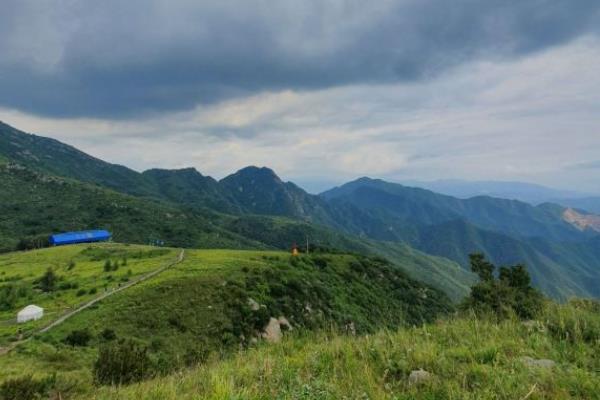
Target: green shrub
{"x":93,"y":291}
{"x":122,"y":363}
{"x":107,"y":266}
{"x":26,"y":388}
{"x":9,"y":294}
{"x":68,"y":285}
{"x":108,"y":334}
{"x":81,"y":292}
{"x":47,"y":283}
{"x":510,"y":292}
{"x":320,"y":262}
{"x":33,"y":242}
{"x":78,"y":338}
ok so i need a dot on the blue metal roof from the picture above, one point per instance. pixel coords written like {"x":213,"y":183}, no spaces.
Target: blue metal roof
{"x":79,"y":237}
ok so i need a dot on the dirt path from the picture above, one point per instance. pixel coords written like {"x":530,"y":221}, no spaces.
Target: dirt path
{"x":96,"y":300}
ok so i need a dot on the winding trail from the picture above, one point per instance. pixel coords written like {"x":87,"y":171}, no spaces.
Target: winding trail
{"x":90,"y":303}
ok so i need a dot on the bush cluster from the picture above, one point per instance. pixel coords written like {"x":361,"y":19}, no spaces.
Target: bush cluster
{"x":122,"y":363}
{"x":10,"y":294}
{"x":509,"y":292}
{"x":27,"y":388}
{"x":78,"y":338}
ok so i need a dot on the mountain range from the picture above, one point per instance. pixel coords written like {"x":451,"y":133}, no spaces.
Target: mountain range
{"x":526,"y":192}
{"x":48,"y":186}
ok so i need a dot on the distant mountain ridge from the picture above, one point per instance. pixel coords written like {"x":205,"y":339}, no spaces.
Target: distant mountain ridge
{"x":507,"y":216}
{"x":527,"y":192}
{"x":562,"y":256}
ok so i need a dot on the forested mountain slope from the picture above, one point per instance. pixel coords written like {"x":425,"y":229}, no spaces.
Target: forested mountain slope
{"x":255,"y":207}
{"x":563,"y":259}
{"x":34,"y":205}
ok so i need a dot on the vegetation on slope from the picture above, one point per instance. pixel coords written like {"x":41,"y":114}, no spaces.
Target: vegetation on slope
{"x":33,"y":205}
{"x":205,"y":306}
{"x":562,"y":259}
{"x":468,"y":357}
{"x":53,"y":157}
{"x":79,"y":274}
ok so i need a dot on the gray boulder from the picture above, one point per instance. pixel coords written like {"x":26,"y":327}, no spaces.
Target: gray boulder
{"x":541,"y":363}
{"x":418,"y":377}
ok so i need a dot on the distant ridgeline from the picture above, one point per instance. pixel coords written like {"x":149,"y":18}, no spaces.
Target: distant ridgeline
{"x":48,"y":186}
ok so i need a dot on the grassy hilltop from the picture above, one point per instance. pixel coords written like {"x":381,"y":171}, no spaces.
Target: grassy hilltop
{"x":200,"y":308}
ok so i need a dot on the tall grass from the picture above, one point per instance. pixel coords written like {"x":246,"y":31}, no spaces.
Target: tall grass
{"x":470,"y":358}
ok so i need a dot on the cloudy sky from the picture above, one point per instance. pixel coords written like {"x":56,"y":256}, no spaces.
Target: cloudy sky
{"x":321,"y":91}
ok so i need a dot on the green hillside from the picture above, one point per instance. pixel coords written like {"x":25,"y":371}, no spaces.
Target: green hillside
{"x":468,"y":359}
{"x":260,"y":191}
{"x":200,"y":307}
{"x":51,"y":156}
{"x":80,"y":276}
{"x":422,"y":206}
{"x":563,"y":262}
{"x":35,"y":205}
{"x":254,"y":208}
{"x":190,"y":188}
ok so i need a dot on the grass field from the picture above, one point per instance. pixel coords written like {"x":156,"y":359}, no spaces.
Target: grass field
{"x":81,"y":276}
{"x":199,"y":308}
{"x":469,"y":358}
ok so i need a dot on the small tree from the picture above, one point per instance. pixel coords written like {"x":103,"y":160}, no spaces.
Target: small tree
{"x":78,"y":338}
{"x":510,"y":292}
{"x":108,"y":334}
{"x":47,"y":282}
{"x":107,"y":266}
{"x":483,"y":268}
{"x":122,"y":363}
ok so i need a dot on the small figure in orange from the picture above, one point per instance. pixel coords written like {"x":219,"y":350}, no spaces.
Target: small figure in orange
{"x":294,"y":250}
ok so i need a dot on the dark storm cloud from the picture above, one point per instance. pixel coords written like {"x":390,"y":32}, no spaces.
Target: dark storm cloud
{"x":119,"y":59}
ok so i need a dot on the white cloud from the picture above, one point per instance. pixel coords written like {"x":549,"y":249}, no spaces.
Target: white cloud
{"x":522,"y":120}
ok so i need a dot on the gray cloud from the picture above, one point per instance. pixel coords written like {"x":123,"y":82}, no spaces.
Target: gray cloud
{"x":115,"y":59}
{"x":531,"y":119}
{"x":586,"y":165}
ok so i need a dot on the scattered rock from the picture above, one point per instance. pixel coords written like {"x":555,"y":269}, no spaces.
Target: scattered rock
{"x":272,"y":332}
{"x":418,"y":377}
{"x":530,"y":324}
{"x":254,"y":306}
{"x":284,"y":323}
{"x":542,"y":363}
{"x":533,"y":325}
{"x":351,"y":328}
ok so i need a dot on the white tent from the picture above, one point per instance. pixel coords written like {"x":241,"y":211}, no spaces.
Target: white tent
{"x":31,"y":312}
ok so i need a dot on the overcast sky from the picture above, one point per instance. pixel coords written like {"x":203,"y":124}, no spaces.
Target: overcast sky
{"x":320,"y":91}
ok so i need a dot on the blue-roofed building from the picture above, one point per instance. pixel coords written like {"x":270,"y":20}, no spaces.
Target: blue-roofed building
{"x":79,"y":237}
